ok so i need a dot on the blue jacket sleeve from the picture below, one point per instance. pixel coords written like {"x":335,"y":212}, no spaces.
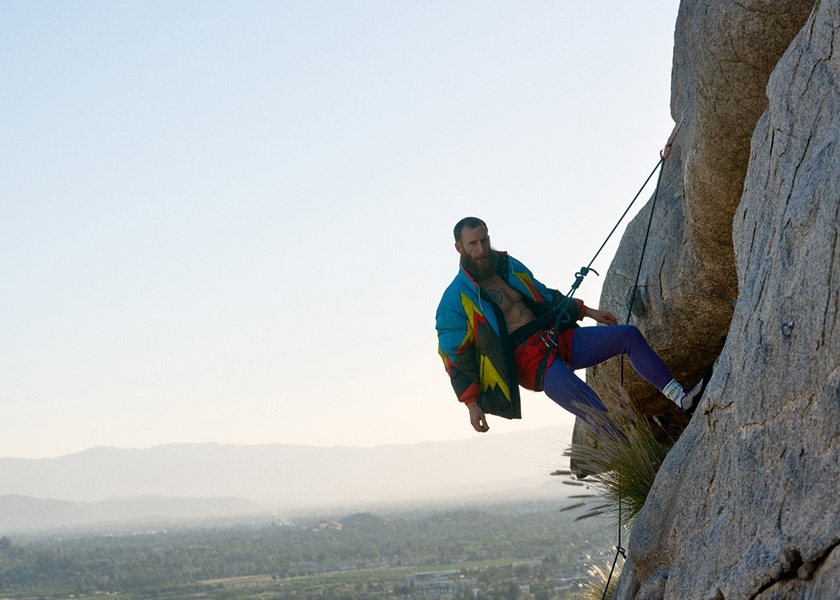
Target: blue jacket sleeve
{"x":456,"y":347}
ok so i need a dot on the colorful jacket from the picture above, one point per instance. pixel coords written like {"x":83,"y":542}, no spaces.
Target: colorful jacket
{"x":473,"y":340}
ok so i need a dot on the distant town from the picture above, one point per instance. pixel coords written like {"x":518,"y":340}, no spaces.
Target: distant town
{"x":516,"y":551}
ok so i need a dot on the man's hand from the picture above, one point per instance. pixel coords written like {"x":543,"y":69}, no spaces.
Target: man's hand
{"x":477,"y":418}
{"x":602,"y":316}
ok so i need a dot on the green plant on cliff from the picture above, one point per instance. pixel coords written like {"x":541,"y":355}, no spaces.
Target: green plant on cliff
{"x":622,"y":465}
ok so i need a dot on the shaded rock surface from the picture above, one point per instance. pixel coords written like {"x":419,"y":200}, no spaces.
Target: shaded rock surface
{"x":724,"y":52}
{"x":745,"y":505}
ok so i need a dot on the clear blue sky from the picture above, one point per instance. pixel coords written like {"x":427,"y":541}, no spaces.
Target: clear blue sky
{"x":231,"y":221}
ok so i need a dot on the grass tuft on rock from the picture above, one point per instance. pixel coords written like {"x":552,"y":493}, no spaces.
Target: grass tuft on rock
{"x":623,"y":459}
{"x":593,"y":588}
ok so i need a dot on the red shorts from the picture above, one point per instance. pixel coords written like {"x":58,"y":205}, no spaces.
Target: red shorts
{"x":533,"y":356}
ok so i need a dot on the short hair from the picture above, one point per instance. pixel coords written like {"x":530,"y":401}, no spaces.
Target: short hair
{"x":468,"y":223}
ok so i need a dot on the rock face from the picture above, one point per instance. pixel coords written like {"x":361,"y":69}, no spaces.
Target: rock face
{"x":745,"y":505}
{"x":724,"y":52}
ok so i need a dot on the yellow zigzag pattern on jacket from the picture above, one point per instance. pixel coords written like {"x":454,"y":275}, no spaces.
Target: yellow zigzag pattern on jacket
{"x":490,"y":377}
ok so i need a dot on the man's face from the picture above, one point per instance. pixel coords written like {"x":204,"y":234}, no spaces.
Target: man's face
{"x":474,"y":242}
{"x":476,"y":255}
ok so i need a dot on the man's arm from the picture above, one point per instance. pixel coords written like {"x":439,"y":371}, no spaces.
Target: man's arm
{"x":452,"y":334}
{"x":455,"y":348}
{"x":601,"y":316}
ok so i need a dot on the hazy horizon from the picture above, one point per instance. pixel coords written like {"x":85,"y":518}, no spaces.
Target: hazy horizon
{"x":194,"y":481}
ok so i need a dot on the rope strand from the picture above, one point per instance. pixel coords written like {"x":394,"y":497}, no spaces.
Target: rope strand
{"x":642,"y":257}
{"x":663,"y":156}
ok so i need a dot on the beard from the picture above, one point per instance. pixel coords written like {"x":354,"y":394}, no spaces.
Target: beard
{"x":481,"y":268}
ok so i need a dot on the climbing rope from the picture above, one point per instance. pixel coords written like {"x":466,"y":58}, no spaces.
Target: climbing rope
{"x":584,"y":271}
{"x":663,"y":155}
{"x":562,"y":315}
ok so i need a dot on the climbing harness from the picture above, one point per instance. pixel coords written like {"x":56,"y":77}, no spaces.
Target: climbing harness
{"x":564,"y":317}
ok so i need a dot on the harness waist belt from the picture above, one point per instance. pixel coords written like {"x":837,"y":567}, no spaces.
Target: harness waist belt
{"x":518,"y":336}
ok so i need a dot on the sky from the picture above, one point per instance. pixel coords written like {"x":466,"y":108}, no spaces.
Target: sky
{"x":232,"y":222}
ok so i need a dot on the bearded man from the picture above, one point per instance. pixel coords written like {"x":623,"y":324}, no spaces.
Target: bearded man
{"x":499,"y":328}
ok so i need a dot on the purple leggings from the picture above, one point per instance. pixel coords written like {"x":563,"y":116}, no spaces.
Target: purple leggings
{"x":594,"y":345}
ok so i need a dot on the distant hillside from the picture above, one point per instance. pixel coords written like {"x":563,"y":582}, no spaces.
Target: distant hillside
{"x":293,"y":476}
{"x":21,"y":513}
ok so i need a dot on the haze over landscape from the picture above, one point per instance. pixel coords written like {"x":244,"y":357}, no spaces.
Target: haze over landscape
{"x":230,"y":480}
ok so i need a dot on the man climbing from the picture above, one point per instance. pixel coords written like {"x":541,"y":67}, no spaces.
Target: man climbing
{"x":499,"y":328}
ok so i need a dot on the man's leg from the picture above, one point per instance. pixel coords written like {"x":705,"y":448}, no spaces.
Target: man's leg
{"x":570,"y":391}
{"x":594,"y":345}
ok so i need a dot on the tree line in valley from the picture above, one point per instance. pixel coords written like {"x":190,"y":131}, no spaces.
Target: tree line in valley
{"x":178,"y":560}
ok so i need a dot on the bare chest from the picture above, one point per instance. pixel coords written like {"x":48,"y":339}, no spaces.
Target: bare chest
{"x":509,"y":301}
{"x":501,"y":293}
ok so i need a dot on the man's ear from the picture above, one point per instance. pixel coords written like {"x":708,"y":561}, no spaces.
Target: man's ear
{"x":459,"y":248}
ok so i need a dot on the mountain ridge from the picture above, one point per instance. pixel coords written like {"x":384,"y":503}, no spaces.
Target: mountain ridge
{"x":289,"y":476}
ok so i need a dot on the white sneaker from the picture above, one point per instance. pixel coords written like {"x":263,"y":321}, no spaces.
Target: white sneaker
{"x":691,"y":398}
